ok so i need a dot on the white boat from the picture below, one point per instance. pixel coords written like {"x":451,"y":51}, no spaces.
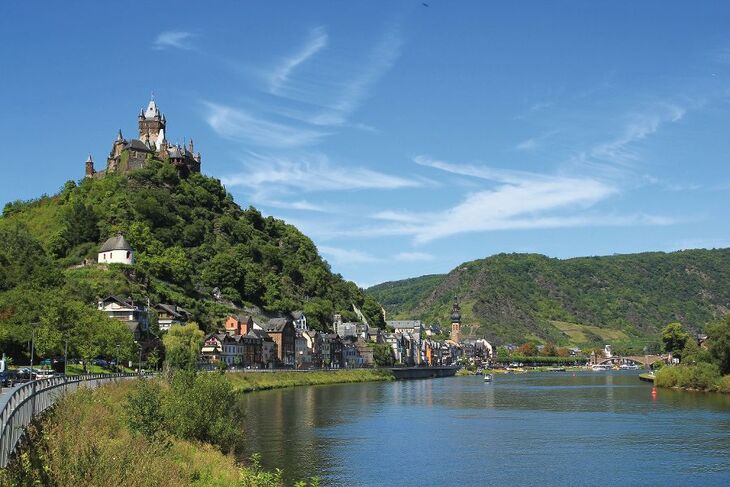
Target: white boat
{"x":488,"y":378}
{"x":629,"y":367}
{"x":601,"y":367}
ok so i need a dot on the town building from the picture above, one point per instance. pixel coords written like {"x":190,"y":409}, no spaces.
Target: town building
{"x":170,"y":314}
{"x":281,"y":330}
{"x":238,"y":325}
{"x":128,"y":155}
{"x":300,"y":320}
{"x":331,"y":351}
{"x":269,"y":351}
{"x":116,"y":250}
{"x":136,"y":317}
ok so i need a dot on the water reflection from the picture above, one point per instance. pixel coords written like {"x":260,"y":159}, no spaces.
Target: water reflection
{"x":557,"y":427}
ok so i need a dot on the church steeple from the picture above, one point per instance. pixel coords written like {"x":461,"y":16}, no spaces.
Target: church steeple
{"x":456,"y":321}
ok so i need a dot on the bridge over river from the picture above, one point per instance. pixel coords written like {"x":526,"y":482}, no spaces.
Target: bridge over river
{"x":644,"y":360}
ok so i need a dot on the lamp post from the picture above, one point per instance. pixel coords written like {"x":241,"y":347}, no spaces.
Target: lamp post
{"x":139,"y":363}
{"x":32,"y":347}
{"x":65,"y":355}
{"x":118,"y":346}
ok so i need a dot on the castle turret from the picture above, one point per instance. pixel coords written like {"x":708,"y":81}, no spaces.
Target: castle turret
{"x":152,"y":125}
{"x":90,"y":167}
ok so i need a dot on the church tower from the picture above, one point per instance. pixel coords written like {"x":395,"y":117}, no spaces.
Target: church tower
{"x":152,"y":125}
{"x":456,"y":321}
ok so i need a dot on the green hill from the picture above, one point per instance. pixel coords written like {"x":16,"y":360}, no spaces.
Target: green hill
{"x":621,"y":298}
{"x":189,"y":236}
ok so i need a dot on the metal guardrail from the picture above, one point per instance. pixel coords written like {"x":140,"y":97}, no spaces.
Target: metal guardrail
{"x":23,"y":402}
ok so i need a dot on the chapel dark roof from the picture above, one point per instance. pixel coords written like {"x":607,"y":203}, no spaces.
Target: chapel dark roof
{"x":117,"y":242}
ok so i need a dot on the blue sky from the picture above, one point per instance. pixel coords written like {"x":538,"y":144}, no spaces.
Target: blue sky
{"x":403,"y":139}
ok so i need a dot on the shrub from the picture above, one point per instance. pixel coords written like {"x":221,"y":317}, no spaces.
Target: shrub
{"x":704,"y":377}
{"x":144,"y":409}
{"x":202,"y":407}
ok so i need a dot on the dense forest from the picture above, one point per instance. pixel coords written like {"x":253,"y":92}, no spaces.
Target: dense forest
{"x":620,"y":298}
{"x":189,"y":238}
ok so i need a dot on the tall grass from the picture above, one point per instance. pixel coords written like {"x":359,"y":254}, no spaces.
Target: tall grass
{"x":259,"y":381}
{"x":85,"y":441}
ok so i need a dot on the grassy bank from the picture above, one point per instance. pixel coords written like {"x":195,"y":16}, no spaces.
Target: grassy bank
{"x":85,"y":441}
{"x":700,"y":377}
{"x":260,"y":381}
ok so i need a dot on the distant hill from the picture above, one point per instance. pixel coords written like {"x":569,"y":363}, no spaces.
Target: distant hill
{"x":590,"y":300}
{"x":189,"y":236}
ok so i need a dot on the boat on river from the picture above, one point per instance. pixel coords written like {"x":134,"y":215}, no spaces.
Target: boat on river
{"x":488,"y":377}
{"x":629,"y":367}
{"x":600,"y":367}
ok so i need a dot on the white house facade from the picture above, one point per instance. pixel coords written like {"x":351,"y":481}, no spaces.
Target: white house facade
{"x":116,"y":250}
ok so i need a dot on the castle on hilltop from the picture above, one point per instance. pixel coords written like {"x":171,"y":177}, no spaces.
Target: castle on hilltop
{"x":128,"y":155}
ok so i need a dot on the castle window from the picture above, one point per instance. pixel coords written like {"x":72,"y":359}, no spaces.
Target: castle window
{"x":128,"y":254}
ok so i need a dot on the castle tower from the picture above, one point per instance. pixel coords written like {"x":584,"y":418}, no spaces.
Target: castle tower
{"x":456,"y":321}
{"x":90,"y":167}
{"x":152,"y":125}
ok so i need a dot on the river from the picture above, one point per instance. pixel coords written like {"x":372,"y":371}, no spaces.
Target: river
{"x":554,"y":428}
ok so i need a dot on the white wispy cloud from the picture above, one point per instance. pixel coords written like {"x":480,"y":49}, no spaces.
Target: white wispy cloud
{"x":527,"y":144}
{"x":518,"y":200}
{"x":237,"y":124}
{"x":620,"y":152}
{"x":413,"y":257}
{"x":336,"y":93}
{"x":316,"y":41}
{"x":311,"y":173}
{"x":174,"y":39}
{"x":347,"y":256}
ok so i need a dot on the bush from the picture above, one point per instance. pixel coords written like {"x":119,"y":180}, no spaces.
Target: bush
{"x":202,"y":407}
{"x":144,"y":409}
{"x":703,"y":377}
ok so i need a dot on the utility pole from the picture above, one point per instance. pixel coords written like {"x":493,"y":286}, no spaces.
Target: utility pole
{"x":118,"y":346}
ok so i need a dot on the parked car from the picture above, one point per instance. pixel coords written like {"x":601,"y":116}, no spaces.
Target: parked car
{"x":44,"y":374}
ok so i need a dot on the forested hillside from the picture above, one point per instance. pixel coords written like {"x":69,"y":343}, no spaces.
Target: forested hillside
{"x":621,"y":298}
{"x":189,"y":236}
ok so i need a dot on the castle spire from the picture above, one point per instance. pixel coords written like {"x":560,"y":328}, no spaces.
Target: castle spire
{"x":90,"y":167}
{"x":119,"y":136}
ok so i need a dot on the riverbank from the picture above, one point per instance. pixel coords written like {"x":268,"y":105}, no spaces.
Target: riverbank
{"x":261,"y":381}
{"x":86,"y":440}
{"x":701,"y":377}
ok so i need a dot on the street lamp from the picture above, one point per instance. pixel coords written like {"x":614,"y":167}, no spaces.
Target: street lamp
{"x":118,"y":346}
{"x":32,"y":347}
{"x":139,"y":363}
{"x":65,"y":355}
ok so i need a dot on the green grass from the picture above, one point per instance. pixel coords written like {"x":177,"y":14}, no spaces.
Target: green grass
{"x":84,"y":441}
{"x":259,"y":381}
{"x":580,"y":334}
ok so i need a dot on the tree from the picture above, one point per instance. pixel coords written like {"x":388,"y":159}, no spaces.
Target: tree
{"x":719,"y":339}
{"x":527,"y":349}
{"x":674,"y":338}
{"x":182,"y":346}
{"x":382,"y":354}
{"x":550,"y":350}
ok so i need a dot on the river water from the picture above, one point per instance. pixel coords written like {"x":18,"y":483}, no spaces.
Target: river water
{"x":554,"y":428}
